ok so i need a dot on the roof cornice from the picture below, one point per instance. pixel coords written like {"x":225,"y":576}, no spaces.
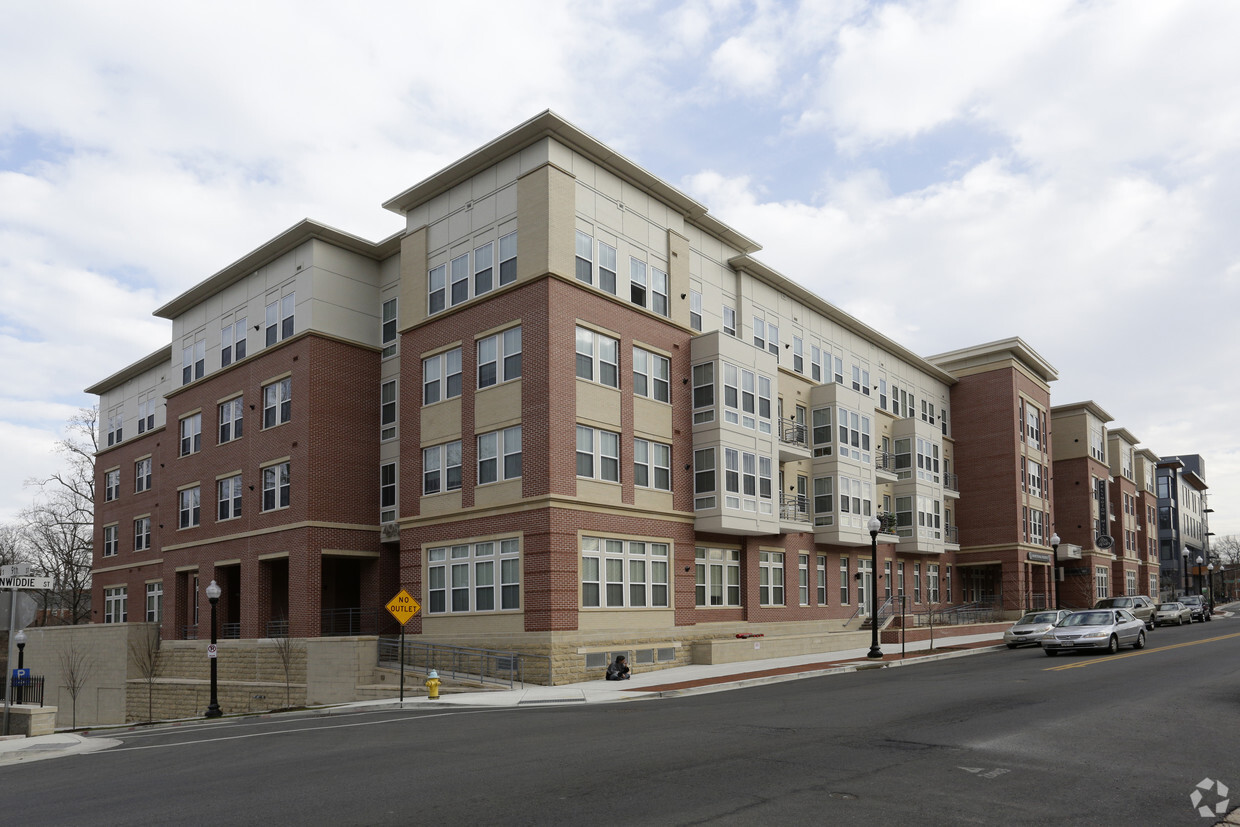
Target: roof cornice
{"x":1088,"y":406}
{"x":1014,"y":348}
{"x":163,"y":356}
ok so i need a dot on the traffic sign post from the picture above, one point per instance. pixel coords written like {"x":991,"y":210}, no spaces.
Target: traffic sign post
{"x":403,"y":607}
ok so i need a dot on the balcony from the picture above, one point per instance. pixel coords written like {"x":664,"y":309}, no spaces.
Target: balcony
{"x":885,"y":467}
{"x":793,"y":513}
{"x":793,"y":441}
{"x":951,"y":535}
{"x":951,"y":486}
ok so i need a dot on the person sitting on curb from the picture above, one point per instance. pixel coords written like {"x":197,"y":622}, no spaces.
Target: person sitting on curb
{"x":618,"y":671}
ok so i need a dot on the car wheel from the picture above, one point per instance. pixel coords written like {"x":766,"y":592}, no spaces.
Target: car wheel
{"x":1140,"y":644}
{"x":1209,"y":617}
{"x":1050,"y":653}
{"x":1113,"y":645}
{"x":1011,"y":646}
{"x":1179,"y":621}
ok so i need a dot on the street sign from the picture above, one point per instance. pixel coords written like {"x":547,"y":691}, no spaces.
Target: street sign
{"x":403,"y":607}
{"x":21,"y":677}
{"x":15,"y":570}
{"x":27,"y":581}
{"x":212,"y":650}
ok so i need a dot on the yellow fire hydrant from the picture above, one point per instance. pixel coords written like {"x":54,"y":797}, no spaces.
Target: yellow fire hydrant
{"x":432,"y":685}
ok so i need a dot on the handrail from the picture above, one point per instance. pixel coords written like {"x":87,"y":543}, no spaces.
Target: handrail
{"x":467,"y":663}
{"x":794,"y":507}
{"x":792,"y":432}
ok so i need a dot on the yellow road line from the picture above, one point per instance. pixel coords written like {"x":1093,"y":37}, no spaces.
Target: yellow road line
{"x":1091,"y":662}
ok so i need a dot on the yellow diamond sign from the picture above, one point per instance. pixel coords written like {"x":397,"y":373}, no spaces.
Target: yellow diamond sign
{"x":403,"y":607}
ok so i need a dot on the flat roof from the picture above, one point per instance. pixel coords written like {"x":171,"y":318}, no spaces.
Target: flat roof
{"x":1013,"y":347}
{"x":1088,"y":405}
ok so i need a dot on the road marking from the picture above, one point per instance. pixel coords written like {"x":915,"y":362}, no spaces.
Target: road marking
{"x":1091,"y":662}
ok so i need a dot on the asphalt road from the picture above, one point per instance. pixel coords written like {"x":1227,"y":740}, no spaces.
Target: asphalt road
{"x":1007,"y":737}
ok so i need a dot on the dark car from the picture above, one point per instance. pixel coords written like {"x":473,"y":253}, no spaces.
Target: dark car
{"x":1199,"y":607}
{"x":1142,"y":607}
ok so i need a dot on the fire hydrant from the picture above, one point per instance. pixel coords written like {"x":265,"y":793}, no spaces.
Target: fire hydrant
{"x":432,"y":685}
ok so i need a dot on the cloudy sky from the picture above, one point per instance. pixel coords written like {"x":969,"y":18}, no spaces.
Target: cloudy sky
{"x":951,"y":173}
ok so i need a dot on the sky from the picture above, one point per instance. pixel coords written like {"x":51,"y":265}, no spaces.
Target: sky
{"x":950,"y":173}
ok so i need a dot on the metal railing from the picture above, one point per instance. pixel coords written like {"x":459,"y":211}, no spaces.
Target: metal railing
{"x":795,"y":433}
{"x":884,"y":461}
{"x":794,"y":507}
{"x":230,"y":631}
{"x":277,"y":628}
{"x":465,"y":663}
{"x":355,"y":621}
{"x":951,"y":534}
{"x":980,"y":612}
{"x":951,"y":482}
{"x":27,"y":690}
{"x":189,"y":632}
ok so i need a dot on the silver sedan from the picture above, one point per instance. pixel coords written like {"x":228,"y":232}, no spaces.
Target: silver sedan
{"x":1031,"y":627}
{"x":1175,"y":612}
{"x":1106,"y":629}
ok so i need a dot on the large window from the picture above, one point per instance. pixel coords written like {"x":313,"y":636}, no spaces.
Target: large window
{"x":387,"y":492}
{"x":585,"y":257}
{"x":1102,"y":583}
{"x":387,"y":410}
{"x":231,"y":419}
{"x":718,"y":577}
{"x":278,"y":317}
{"x":704,"y":479}
{"x":598,"y":454}
{"x":388,"y":328}
{"x":624,"y":574}
{"x":232,"y":342}
{"x":154,"y":602}
{"x":441,"y":468}
{"x":607,"y":267}
{"x":474,"y":577}
{"x":703,"y":393}
{"x":652,"y":375}
{"x":499,"y":455}
{"x":277,"y":402}
{"x":193,"y":361}
{"x":822,"y":580}
{"x":116,"y":604}
{"x":111,"y":540}
{"x":652,"y":465}
{"x":276,"y":486}
{"x":499,"y":357}
{"x":142,"y":534}
{"x":191,"y":434}
{"x":111,"y":484}
{"x":598,"y":358}
{"x":189,"y":504}
{"x":746,"y":398}
{"x":771,"y":578}
{"x":441,"y":376}
{"x":449,"y":284}
{"x":229,"y":497}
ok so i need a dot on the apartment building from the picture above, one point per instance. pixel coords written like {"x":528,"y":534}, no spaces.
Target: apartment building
{"x":1123,"y":521}
{"x":1081,"y":476}
{"x":1000,"y":407}
{"x":1183,"y":528}
{"x":1147,"y":521}
{"x":335,"y":419}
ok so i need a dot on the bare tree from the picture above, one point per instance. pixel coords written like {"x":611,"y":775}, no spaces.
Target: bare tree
{"x":287,"y":648}
{"x":144,"y":652}
{"x":58,"y":528}
{"x":76,"y":667}
{"x":12,"y":544}
{"x":1227,"y":548}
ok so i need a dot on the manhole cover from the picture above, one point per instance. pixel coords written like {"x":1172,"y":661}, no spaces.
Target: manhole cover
{"x":843,"y":796}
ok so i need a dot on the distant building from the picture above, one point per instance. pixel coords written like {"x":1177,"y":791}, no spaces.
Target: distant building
{"x":1183,"y":529}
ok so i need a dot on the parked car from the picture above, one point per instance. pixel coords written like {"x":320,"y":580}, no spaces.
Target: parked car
{"x":1106,"y":629}
{"x":1142,"y":607}
{"x":1030,"y":628}
{"x":1168,"y":613}
{"x":1201,"y":609}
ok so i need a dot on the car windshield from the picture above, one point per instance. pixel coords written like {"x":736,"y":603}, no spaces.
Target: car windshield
{"x":1192,"y":598}
{"x":1120,"y":602}
{"x":1088,"y":619}
{"x":1037,"y":617}
{"x":1168,"y":607}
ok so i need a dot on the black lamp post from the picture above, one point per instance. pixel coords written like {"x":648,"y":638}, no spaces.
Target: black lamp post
{"x":875,"y":652}
{"x":1054,"y":565}
{"x":213,"y":595}
{"x":1211,"y":570}
{"x":1184,"y":557}
{"x":1201,"y":592}
{"x":20,"y":640}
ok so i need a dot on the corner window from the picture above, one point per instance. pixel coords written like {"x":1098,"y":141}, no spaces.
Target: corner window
{"x":598,"y":358}
{"x":477,"y":577}
{"x":499,"y":455}
{"x":499,"y":358}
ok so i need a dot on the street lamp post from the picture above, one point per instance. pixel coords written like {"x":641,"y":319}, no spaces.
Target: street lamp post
{"x":20,"y":640}
{"x":1054,"y":565}
{"x":874,"y":526}
{"x":213,"y":709}
{"x":1184,"y":557}
{"x":1211,"y":569}
{"x":1201,"y":592}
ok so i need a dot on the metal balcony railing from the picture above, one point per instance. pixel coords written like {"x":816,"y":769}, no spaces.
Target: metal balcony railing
{"x":951,"y":482}
{"x":794,"y":507}
{"x":795,"y":433}
{"x":951,"y":534}
{"x":884,"y":461}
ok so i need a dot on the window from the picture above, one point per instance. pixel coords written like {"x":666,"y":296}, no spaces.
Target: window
{"x":652,"y":375}
{"x":276,"y":486}
{"x":771,"y":578}
{"x":585,"y":257}
{"x":1097,"y":442}
{"x":231,"y":420}
{"x":278,"y":318}
{"x":189,"y":504}
{"x":729,"y":320}
{"x":154,"y":602}
{"x":927,"y":412}
{"x":484,"y":273}
{"x":142,"y":475}
{"x":232,"y":342}
{"x":917,"y":582}
{"x":441,"y":468}
{"x":624,"y":574}
{"x":703,"y":393}
{"x":1035,"y":478}
{"x":759,"y":333}
{"x":844,"y":581}
{"x":388,"y":330}
{"x":277,"y":403}
{"x":637,"y":282}
{"x":927,"y":460}
{"x":947,"y":585}
{"x":142,"y":534}
{"x":822,"y":432}
{"x":695,"y":310}
{"x":493,"y":447}
{"x":1102,"y":586}
{"x":861,"y":381}
{"x":146,"y":414}
{"x":598,"y":454}
{"x":111,"y":485}
{"x":387,"y":410}
{"x":387,"y":492}
{"x":822,"y":579}
{"x":499,"y":357}
{"x":115,"y":604}
{"x":193,"y":360}
{"x":191,"y":434}
{"x":718,"y":577}
{"x":652,"y":465}
{"x":111,"y":540}
{"x":882,"y":394}
{"x":854,"y":435}
{"x":803,"y":579}
{"x":508,"y":259}
{"x":458,"y":278}
{"x":607,"y":267}
{"x":704,"y":479}
{"x":904,"y":458}
{"x":904,"y":516}
{"x":477,"y":577}
{"x":229,"y":497}
{"x":798,"y":354}
{"x":598,"y":358}
{"x":824,"y":501}
{"x":441,"y":376}
{"x":436,"y":283}
{"x":658,"y":292}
